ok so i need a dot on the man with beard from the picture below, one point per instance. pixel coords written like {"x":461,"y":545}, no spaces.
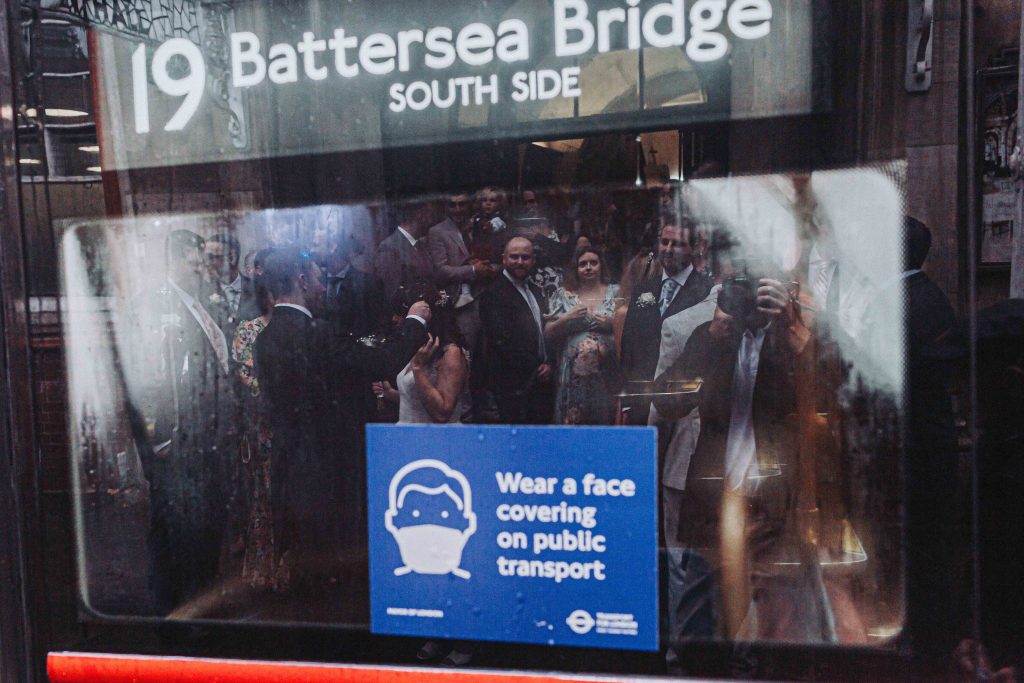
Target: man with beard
{"x":318,"y":471}
{"x":518,"y":367}
{"x":678,"y":287}
{"x":456,"y":272}
{"x":224,"y":296}
{"x":403,"y":263}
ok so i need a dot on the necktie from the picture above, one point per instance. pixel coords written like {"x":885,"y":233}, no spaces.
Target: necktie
{"x":535,"y":310}
{"x":668,"y":292}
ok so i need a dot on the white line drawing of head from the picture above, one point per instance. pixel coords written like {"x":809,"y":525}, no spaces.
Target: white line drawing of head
{"x":430,"y":520}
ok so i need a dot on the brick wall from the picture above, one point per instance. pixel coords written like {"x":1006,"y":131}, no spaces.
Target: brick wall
{"x":50,"y":381}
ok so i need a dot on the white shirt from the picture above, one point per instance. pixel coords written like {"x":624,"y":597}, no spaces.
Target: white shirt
{"x":405,"y":233}
{"x":297,"y":307}
{"x":820,"y":271}
{"x":233,"y":293}
{"x":343,"y":273}
{"x":531,"y":301}
{"x":334,"y":281}
{"x":208,"y":325}
{"x":740,"y":447}
{"x":855,"y":294}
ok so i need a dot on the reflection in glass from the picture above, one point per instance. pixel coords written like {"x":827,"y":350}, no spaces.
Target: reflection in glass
{"x":751,"y":320}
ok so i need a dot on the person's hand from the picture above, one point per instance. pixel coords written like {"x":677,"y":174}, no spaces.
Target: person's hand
{"x":480,"y":268}
{"x":601,"y":323}
{"x":385,"y":391}
{"x":774,"y":301}
{"x":578,"y":312}
{"x":420,"y":308}
{"x":422,"y":357}
{"x":544,"y":373}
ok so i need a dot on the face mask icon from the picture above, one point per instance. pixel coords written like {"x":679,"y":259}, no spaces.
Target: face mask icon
{"x":430,"y":514}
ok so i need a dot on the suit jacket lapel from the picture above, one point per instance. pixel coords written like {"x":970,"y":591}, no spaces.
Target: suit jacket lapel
{"x":688,"y":295}
{"x":520,"y":303}
{"x":460,"y":242}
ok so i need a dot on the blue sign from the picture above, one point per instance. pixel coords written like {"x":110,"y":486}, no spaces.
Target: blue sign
{"x":514,"y":534}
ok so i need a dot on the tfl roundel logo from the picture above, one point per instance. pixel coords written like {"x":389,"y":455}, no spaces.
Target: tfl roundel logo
{"x":580,"y":621}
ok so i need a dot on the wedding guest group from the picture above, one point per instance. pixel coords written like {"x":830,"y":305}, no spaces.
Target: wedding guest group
{"x":471,"y":308}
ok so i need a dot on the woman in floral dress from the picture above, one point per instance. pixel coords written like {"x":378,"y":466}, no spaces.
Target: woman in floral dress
{"x":580,"y":324}
{"x":259,"y":567}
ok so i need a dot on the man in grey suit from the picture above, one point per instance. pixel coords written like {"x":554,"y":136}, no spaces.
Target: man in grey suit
{"x":403,"y":264}
{"x":457,"y":273}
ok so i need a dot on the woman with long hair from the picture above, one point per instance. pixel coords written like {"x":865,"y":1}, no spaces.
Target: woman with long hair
{"x":640,"y":268}
{"x":580,"y":324}
{"x":434,"y":386}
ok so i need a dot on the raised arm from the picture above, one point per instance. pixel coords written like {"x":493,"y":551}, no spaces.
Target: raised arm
{"x":440,"y":399}
{"x":343,"y":355}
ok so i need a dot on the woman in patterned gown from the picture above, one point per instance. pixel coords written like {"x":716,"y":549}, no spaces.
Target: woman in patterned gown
{"x":259,"y":566}
{"x":580,"y":325}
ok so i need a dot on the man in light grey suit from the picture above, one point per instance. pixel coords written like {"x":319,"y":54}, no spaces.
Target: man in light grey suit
{"x":403,"y":264}
{"x":460,"y":275}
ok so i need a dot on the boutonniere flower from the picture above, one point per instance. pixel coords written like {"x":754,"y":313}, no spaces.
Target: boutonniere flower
{"x":216,"y":298}
{"x":646,"y":299}
{"x":370,"y":340}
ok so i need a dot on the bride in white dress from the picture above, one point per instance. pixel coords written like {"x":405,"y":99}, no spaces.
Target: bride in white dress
{"x":434,"y":387}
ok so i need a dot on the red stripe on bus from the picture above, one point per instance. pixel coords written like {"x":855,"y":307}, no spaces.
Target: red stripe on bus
{"x":73,"y":667}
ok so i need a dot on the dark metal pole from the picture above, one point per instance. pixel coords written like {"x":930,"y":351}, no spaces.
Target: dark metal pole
{"x":971,"y":152}
{"x":17,"y":466}
{"x":1017,"y":163}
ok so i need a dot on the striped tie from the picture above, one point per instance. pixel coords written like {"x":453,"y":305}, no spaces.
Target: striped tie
{"x":668,"y":292}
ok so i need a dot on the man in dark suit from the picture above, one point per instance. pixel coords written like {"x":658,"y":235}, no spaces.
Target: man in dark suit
{"x":518,"y":368}
{"x":355,"y":306}
{"x":403,"y":262}
{"x":188,"y":413}
{"x":317,"y":466}
{"x":355,"y":301}
{"x":678,"y":287}
{"x":931,"y":455}
{"x":223,"y":284}
{"x":746,"y":356}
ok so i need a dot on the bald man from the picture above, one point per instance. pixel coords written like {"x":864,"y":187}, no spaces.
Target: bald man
{"x":517,"y":363}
